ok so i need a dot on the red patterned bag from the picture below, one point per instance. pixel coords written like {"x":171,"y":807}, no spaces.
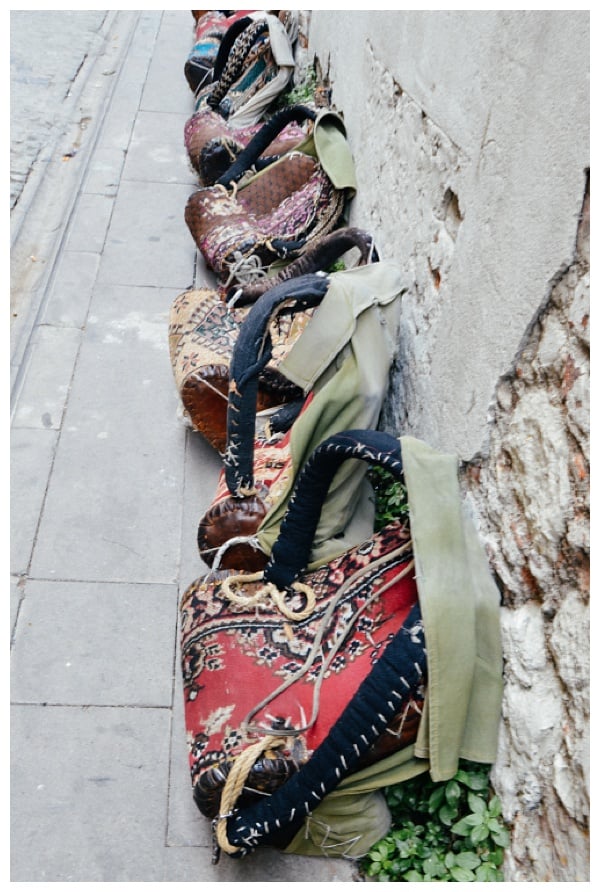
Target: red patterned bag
{"x":294,"y":679}
{"x":203,"y":329}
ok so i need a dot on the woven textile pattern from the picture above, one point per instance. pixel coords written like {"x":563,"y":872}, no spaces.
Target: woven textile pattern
{"x":208,"y":136}
{"x":225,"y":232}
{"x":250,"y":68}
{"x":202,"y":334}
{"x":222,"y":642}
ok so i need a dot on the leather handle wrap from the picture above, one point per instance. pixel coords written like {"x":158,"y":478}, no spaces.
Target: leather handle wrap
{"x":401,"y":668}
{"x":251,"y":352}
{"x":320,"y":256}
{"x":291,"y":551}
{"x":265,"y":136}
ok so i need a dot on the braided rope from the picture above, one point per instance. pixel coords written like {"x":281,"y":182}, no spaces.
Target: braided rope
{"x":266,"y":591}
{"x":235,"y":782}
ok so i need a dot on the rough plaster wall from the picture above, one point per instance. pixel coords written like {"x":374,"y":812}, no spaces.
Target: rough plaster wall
{"x":471,"y":175}
{"x":470,"y":138}
{"x":530,"y":493}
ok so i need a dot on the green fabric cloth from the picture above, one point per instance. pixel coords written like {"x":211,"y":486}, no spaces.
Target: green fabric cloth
{"x":461,"y":615}
{"x":327,"y":142}
{"x":343,"y":357}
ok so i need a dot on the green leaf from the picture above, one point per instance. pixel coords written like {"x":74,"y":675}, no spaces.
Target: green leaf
{"x":463,"y":777}
{"x":452,"y":792}
{"x":447,"y":814}
{"x":479,"y":833}
{"x":413,"y":876}
{"x":434,"y":866}
{"x":478,"y":781}
{"x":468,"y":859}
{"x":466,"y":824}
{"x":476,"y":803}
{"x":495,"y":807}
{"x":502,"y":837}
{"x":486,"y":873}
{"x":496,"y":857}
{"x":462,"y":875}
{"x":461,"y":828}
{"x":436,"y":799}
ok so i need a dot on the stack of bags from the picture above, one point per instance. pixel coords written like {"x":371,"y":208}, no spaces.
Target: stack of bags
{"x":308,"y":684}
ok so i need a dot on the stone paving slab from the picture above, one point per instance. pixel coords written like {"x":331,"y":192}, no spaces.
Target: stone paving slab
{"x":69,"y":628}
{"x":89,"y":788}
{"x":31,"y":456}
{"x":115,"y":492}
{"x":71,"y":289}
{"x":44,"y":395}
{"x":108,"y":488}
{"x":157,"y":151}
{"x":143,"y":246}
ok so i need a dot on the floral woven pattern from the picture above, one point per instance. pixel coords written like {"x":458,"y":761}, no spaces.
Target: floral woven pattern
{"x":223,"y":642}
{"x":213,"y":144}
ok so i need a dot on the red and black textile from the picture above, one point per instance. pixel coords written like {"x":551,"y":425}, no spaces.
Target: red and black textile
{"x":311,"y":675}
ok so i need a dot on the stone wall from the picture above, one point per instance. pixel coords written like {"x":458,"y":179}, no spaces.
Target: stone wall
{"x":470,"y":133}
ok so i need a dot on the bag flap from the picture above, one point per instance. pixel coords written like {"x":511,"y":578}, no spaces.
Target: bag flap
{"x":327,"y":142}
{"x":281,"y":45}
{"x":349,"y":294}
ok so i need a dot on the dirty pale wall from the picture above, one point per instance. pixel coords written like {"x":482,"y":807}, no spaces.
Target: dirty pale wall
{"x":470,"y":133}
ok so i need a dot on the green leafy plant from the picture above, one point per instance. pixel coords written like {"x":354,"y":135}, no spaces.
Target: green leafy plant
{"x":441,"y":832}
{"x":301,"y":93}
{"x":391,"y":499}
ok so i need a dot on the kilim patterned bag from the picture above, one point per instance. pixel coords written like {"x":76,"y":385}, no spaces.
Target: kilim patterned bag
{"x":346,"y":388}
{"x":293,"y":680}
{"x":254,"y":64}
{"x":210,"y":28}
{"x":203,"y":330}
{"x":213,"y":144}
{"x":247,"y":221}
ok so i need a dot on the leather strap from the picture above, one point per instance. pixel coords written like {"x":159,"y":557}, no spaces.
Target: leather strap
{"x":319,"y":257}
{"x":265,"y":136}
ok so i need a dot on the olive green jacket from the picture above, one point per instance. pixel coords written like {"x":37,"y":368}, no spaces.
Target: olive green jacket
{"x":343,"y":357}
{"x":460,"y":606}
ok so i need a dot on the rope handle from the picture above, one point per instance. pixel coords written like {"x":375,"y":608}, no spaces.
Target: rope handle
{"x":231,"y":585}
{"x":234,"y":784}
